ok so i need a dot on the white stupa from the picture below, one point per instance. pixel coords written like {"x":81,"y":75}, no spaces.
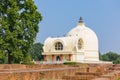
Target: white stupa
{"x":79,"y":45}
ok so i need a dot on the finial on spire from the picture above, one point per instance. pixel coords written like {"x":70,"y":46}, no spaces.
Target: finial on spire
{"x":80,"y":20}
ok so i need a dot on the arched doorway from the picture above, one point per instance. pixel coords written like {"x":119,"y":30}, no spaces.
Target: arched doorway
{"x":58,"y":58}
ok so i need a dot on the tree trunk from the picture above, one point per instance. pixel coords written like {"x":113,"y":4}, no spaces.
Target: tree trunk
{"x":9,"y":57}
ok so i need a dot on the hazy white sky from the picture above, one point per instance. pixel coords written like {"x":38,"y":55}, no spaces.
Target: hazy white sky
{"x":102,"y":16}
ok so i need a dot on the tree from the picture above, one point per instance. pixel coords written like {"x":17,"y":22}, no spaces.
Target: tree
{"x":117,"y":61}
{"x":105,"y":57}
{"x":100,"y":56}
{"x":112,"y":56}
{"x":19,"y":21}
{"x":36,"y":51}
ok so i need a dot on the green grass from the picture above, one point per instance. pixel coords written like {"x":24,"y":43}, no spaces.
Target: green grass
{"x":118,"y":79}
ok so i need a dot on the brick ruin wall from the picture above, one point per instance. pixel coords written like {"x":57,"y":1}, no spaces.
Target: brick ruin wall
{"x":89,"y":72}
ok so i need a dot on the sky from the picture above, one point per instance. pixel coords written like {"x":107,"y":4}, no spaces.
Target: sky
{"x":102,"y":16}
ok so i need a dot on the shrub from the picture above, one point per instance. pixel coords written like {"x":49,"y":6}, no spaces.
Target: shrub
{"x":69,"y":63}
{"x":28,"y":63}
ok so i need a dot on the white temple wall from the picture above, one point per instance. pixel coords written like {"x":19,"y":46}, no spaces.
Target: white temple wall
{"x":91,"y":56}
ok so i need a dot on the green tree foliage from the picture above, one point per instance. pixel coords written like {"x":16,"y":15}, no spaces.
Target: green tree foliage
{"x":105,"y":57}
{"x":36,"y":51}
{"x":100,"y":56}
{"x":19,"y":21}
{"x":117,"y":61}
{"x":111,"y":56}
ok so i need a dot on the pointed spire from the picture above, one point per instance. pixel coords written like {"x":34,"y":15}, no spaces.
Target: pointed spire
{"x":81,"y":20}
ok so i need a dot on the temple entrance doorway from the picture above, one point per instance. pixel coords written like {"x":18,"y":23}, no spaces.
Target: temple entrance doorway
{"x":58,"y":58}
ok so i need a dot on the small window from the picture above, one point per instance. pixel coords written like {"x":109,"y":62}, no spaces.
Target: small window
{"x":80,"y":44}
{"x":58,"y":46}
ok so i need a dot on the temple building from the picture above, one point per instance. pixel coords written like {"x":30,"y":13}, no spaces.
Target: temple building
{"x":79,"y":45}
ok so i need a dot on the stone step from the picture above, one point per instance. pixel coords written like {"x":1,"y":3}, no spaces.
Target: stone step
{"x":76,"y":77}
{"x":100,"y":79}
{"x":89,"y":73}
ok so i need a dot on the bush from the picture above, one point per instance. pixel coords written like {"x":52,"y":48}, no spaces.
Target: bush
{"x":28,"y":63}
{"x":69,"y":63}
